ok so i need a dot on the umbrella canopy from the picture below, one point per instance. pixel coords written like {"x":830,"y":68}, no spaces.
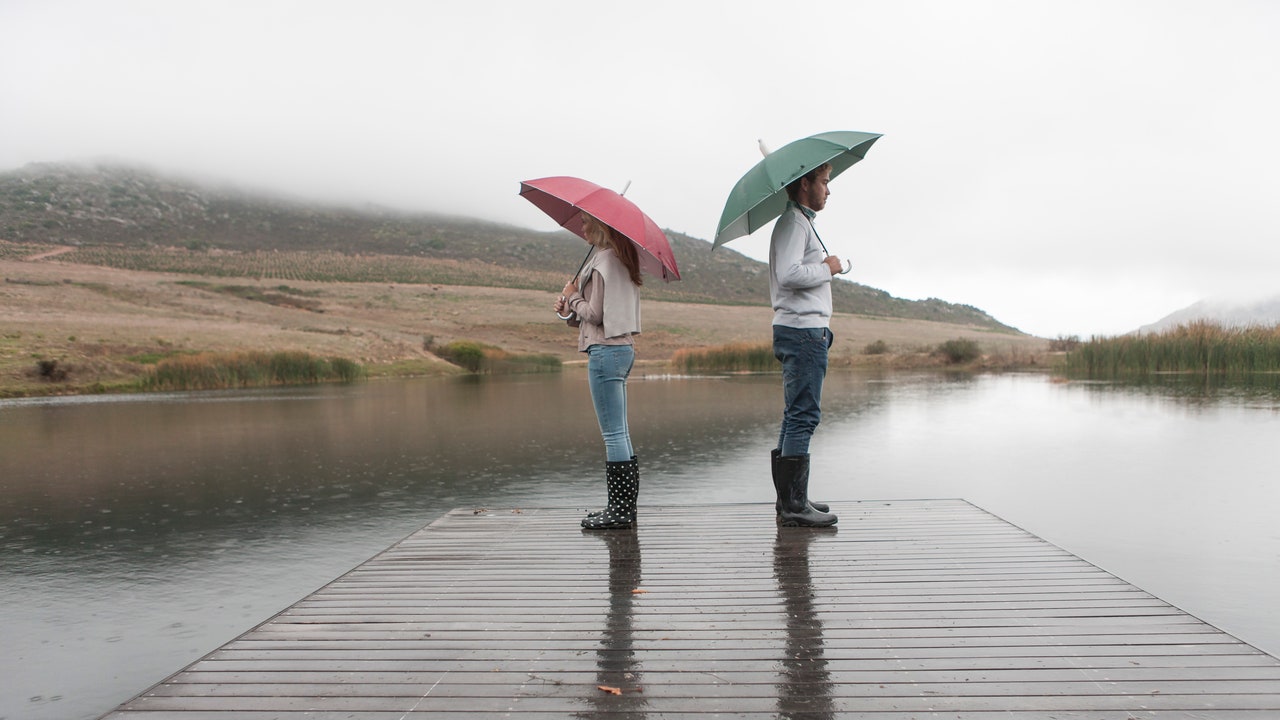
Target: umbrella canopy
{"x":760,"y":196}
{"x":566,"y":198}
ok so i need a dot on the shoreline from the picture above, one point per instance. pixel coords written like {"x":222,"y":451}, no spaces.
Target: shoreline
{"x":107,"y":327}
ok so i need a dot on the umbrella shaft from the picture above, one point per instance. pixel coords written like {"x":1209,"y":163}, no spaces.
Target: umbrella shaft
{"x":845,"y":267}
{"x":583,"y":264}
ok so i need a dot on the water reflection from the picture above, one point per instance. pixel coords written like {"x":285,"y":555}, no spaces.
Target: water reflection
{"x":1261,"y":390}
{"x":618,"y":678}
{"x":139,"y":533}
{"x":82,"y":477}
{"x":805,"y":686}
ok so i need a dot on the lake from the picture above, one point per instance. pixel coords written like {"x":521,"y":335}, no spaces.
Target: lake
{"x":138,"y":533}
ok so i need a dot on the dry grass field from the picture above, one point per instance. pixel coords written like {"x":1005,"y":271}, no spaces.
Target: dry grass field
{"x":104,"y":326}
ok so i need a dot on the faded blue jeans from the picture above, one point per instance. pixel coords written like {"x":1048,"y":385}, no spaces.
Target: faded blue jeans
{"x":607,"y":369}
{"x":803,"y":354}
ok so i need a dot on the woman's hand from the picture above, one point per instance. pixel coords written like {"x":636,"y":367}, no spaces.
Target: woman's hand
{"x":561,"y":305}
{"x":570,"y":288}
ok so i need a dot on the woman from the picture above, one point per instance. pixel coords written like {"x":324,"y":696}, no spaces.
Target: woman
{"x":606,"y":311}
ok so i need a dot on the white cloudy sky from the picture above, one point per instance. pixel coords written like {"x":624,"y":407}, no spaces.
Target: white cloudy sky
{"x":1079,"y":167}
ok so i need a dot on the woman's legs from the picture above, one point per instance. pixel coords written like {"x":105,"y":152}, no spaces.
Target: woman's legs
{"x":608,"y":367}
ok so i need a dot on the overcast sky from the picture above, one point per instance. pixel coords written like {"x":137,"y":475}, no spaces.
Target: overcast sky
{"x":1072,"y":168}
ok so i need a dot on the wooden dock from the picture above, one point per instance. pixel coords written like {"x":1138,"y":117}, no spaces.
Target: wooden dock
{"x":912,"y":609}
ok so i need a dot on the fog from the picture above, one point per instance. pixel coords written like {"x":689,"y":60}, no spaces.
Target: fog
{"x":1071,"y":168}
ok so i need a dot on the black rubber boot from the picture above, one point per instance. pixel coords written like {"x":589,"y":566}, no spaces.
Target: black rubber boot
{"x":622,"y":479}
{"x":777,"y":486}
{"x":796,"y":510}
{"x":594,"y":513}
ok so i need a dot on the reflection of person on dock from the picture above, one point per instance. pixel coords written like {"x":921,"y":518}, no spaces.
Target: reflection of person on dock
{"x":805,"y":686}
{"x":616,"y":663}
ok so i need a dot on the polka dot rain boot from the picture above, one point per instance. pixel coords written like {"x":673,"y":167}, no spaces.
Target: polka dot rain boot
{"x":622,"y":479}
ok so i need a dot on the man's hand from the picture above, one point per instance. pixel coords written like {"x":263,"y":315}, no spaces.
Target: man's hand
{"x":833,"y":263}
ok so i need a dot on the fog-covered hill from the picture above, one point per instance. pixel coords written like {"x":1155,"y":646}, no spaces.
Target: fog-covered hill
{"x":117,"y":205}
{"x":1232,"y":313}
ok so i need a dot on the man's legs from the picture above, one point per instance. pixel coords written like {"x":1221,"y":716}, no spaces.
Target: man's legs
{"x":803,"y":354}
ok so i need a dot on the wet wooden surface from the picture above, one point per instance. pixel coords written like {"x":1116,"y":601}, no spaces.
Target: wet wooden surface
{"x":913,"y":609}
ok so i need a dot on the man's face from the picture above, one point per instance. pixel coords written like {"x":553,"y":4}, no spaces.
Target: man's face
{"x":813,"y":194}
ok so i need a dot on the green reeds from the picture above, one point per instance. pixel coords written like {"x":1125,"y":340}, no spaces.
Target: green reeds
{"x":217,"y":371}
{"x":486,"y":359}
{"x":1198,"y":347}
{"x":734,"y":357}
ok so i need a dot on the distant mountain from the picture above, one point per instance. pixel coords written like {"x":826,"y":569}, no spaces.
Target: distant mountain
{"x":1225,"y":312}
{"x":118,"y":205}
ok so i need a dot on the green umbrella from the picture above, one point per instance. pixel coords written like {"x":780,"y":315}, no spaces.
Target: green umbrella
{"x":760,"y":196}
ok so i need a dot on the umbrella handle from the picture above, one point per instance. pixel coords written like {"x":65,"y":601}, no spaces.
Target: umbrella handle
{"x":571,"y":314}
{"x":565,"y":317}
{"x":583,"y":264}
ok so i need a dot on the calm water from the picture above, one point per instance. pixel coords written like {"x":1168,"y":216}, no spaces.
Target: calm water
{"x":139,"y":533}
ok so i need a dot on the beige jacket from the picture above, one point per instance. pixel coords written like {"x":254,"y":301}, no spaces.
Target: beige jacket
{"x":607,"y":306}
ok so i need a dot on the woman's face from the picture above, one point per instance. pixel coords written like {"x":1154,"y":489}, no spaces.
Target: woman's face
{"x":595,"y":232}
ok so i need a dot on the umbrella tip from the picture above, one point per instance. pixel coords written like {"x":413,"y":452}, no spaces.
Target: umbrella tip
{"x":625,"y":188}
{"x":764,"y":149}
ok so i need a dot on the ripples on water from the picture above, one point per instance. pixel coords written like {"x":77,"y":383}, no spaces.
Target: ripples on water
{"x":138,"y":533}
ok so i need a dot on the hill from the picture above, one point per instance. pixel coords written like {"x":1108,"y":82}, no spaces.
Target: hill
{"x":1229,"y":313}
{"x":133,"y":211}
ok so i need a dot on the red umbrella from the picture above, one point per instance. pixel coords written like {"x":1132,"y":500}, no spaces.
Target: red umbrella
{"x":566,"y":198}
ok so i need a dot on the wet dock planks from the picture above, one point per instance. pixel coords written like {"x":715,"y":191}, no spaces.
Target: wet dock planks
{"x":912,"y":609}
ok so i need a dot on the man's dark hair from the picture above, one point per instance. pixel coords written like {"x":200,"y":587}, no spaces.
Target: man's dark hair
{"x":793,"y":187}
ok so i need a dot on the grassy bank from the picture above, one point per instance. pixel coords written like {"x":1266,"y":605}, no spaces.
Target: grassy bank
{"x":219,"y":371}
{"x":734,"y":357}
{"x":1201,"y":347}
{"x":957,"y":354}
{"x":170,"y":371}
{"x":103,"y":330}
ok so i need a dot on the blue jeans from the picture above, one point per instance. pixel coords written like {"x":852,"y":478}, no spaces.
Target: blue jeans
{"x":607,"y":369}
{"x":803,"y":354}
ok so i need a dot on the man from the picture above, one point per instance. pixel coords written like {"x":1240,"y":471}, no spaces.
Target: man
{"x":800,"y":275}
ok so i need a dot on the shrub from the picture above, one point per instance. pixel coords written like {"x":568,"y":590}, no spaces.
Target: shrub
{"x":1064,"y":343}
{"x":879,"y":347}
{"x":465,"y":354}
{"x":346,"y":370}
{"x":480,"y":358}
{"x":960,"y":351}
{"x":51,"y":371}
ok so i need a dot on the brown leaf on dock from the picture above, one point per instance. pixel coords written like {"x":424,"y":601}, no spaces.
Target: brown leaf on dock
{"x":638,"y":591}
{"x":611,"y":690}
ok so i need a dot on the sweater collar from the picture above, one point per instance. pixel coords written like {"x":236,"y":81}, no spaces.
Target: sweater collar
{"x":807,"y":212}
